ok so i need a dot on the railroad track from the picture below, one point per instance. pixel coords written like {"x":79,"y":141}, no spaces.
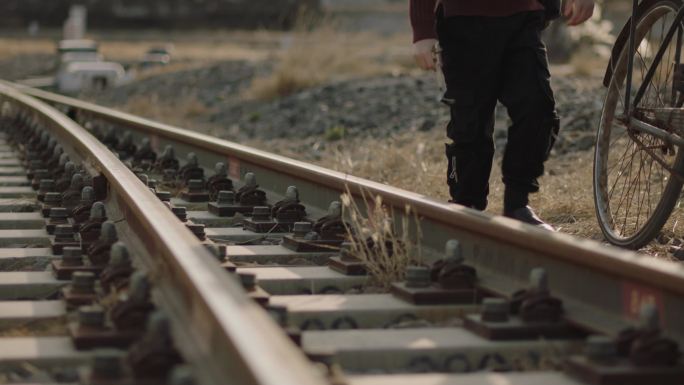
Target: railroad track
{"x":213,"y":297}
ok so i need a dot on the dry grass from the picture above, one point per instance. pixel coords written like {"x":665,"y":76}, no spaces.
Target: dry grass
{"x":327,"y":55}
{"x":385,"y":251}
{"x":415,"y":161}
{"x":18,"y":46}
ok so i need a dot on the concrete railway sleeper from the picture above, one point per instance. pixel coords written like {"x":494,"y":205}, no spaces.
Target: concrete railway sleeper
{"x":491,"y":295}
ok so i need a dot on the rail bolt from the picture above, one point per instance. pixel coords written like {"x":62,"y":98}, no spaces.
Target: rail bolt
{"x":87,"y":194}
{"x":346,"y":253}
{"x":453,"y":251}
{"x":64,"y":233}
{"x":220,"y":169}
{"x":180,"y":212}
{"x":198,"y":230}
{"x":119,"y":254}
{"x":76,"y":182}
{"x":97,"y":211}
{"x":72,"y":256}
{"x":46,"y":185}
{"x":108,"y":232}
{"x":495,"y":310}
{"x":418,"y":277}
{"x":261,"y":213}
{"x":539,"y":280}
{"x":300,"y":229}
{"x":248,"y":280}
{"x":292,"y":193}
{"x":58,"y":213}
{"x":91,"y":316}
{"x":600,"y":348}
{"x":83,"y":282}
{"x":195,"y":185}
{"x":226,"y":198}
{"x":53,"y":198}
{"x":164,"y":196}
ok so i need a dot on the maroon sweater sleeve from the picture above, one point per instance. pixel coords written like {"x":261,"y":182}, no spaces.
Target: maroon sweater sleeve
{"x":423,"y":19}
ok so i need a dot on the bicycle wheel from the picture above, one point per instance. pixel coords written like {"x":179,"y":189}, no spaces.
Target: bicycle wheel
{"x":634,"y":190}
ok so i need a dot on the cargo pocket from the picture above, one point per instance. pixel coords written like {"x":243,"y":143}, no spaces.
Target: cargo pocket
{"x":463,"y":126}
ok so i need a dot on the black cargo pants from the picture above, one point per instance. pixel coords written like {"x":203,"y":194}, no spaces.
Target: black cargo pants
{"x":485,"y":59}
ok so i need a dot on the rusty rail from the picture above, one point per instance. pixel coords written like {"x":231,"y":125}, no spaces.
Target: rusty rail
{"x":220,"y":331}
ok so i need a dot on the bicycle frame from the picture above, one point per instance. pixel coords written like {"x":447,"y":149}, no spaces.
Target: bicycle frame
{"x":630,"y":105}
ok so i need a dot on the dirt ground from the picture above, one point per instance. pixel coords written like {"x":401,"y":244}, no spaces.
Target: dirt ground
{"x":345,"y":95}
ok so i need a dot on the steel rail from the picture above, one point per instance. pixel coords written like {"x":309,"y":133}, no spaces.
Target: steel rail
{"x":217,"y":328}
{"x":602,"y":285}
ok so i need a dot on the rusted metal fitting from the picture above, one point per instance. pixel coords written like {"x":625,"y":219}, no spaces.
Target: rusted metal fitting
{"x":64,"y":181}
{"x":180,"y":212}
{"x":39,"y":175}
{"x":167,"y":161}
{"x":195,"y":186}
{"x":87,"y":195}
{"x":451,"y":272}
{"x":198,"y":230}
{"x":418,"y":277}
{"x":98,"y":252}
{"x":71,"y":197}
{"x":347,"y":263}
{"x":301,"y":229}
{"x":83,"y":282}
{"x":249,"y":194}
{"x":164,"y":196}
{"x":52,"y":199}
{"x":261,"y":213}
{"x":81,"y":213}
{"x":72,"y":256}
{"x":191,"y":169}
{"x":195,"y":192}
{"x":219,"y":181}
{"x":91,"y":228}
{"x":45,"y":186}
{"x":126,"y":147}
{"x":131,"y":312}
{"x":64,"y":233}
{"x":145,"y":156}
{"x":226,"y":197}
{"x":58,"y":216}
{"x":154,"y":355}
{"x":495,"y":310}
{"x":119,"y":269}
{"x":91,"y":316}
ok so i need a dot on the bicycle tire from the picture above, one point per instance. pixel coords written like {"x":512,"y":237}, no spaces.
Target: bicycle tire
{"x":653,"y":224}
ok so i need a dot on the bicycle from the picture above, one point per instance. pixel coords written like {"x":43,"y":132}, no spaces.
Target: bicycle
{"x":638,"y":158}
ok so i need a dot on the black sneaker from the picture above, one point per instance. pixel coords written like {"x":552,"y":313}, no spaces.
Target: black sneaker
{"x":526,"y":215}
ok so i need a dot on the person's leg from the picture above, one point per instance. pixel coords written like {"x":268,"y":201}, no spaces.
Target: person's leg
{"x":470,"y":62}
{"x":526,"y":92}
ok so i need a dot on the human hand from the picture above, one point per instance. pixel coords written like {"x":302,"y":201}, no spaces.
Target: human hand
{"x":578,"y":11}
{"x":423,"y":53}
